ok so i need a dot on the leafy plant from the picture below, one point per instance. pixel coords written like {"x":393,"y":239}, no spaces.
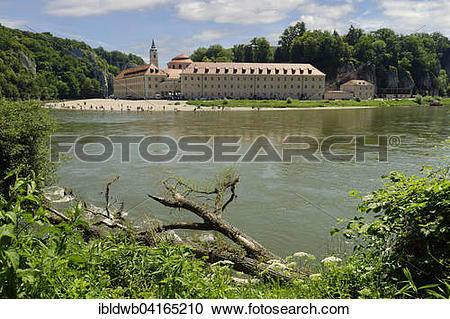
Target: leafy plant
{"x":406,"y":223}
{"x":24,"y":140}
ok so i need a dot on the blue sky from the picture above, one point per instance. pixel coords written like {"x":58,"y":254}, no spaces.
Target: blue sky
{"x":181,"y":26}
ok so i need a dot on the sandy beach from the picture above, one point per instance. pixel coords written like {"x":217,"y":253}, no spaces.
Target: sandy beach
{"x":166,"y":105}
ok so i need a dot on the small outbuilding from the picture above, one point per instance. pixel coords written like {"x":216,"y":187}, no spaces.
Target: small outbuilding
{"x":360,"y":89}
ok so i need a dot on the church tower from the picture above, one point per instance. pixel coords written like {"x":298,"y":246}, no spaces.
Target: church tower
{"x":154,"y":54}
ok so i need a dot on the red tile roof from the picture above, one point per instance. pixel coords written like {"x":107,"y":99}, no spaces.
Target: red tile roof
{"x":138,"y":71}
{"x":181,"y":57}
{"x":251,"y":68}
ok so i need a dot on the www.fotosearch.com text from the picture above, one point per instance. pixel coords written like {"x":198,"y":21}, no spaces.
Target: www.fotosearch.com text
{"x":222,"y":149}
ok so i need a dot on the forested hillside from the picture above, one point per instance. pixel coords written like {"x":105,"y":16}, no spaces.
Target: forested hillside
{"x":41,"y":66}
{"x":390,"y":60}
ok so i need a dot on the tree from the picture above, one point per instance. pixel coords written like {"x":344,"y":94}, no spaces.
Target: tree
{"x":353,"y":35}
{"x":286,"y":39}
{"x":24,"y":139}
{"x":261,"y":50}
{"x":199,"y":54}
{"x":248,"y":54}
{"x":238,"y":53}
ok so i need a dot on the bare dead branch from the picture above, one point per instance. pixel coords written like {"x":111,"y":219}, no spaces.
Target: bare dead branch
{"x":108,"y":189}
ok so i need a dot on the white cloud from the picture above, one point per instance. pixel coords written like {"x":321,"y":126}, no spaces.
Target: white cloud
{"x":237,"y":11}
{"x":220,"y":11}
{"x":81,"y":8}
{"x":402,"y":15}
{"x":327,"y":17}
{"x":409,"y":16}
{"x":12,"y":23}
{"x":212,"y":34}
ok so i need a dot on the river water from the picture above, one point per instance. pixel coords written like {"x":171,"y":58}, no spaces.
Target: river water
{"x":288,"y":207}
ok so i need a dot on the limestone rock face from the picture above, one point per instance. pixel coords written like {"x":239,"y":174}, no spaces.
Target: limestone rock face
{"x":27,"y":63}
{"x":391,"y":78}
{"x":100,"y":74}
{"x":445,"y":61}
{"x":77,"y":52}
{"x":406,"y":81}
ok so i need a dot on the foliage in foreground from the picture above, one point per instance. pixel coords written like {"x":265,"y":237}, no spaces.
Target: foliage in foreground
{"x":24,"y":140}
{"x":40,"y":260}
{"x":407,"y":225}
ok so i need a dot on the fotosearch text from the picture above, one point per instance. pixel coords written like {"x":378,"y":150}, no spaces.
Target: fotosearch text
{"x":222,"y":149}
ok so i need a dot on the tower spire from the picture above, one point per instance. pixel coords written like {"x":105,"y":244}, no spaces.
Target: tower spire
{"x":154,"y":54}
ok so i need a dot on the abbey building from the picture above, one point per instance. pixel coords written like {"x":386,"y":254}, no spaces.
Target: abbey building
{"x":210,"y":80}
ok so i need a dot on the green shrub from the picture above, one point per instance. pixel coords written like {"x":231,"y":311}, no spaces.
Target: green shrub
{"x":177,"y":103}
{"x":406,"y":223}
{"x":358,"y":99}
{"x":225,"y":101}
{"x":418,"y":99}
{"x":24,"y":140}
{"x":289,"y":100}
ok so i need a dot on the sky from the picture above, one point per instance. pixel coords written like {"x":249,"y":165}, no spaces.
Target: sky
{"x":181,"y":26}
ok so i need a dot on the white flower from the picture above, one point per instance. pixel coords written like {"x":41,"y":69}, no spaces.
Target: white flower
{"x":277,"y":266}
{"x":331,"y":259}
{"x":302,"y":254}
{"x":315,"y":276}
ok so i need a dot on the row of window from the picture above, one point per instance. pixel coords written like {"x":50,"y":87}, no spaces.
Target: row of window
{"x":262,"y":95}
{"x":257,"y":86}
{"x":211,"y":78}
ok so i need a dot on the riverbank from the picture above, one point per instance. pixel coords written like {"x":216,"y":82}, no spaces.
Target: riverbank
{"x":295,"y":104}
{"x":228,"y":105}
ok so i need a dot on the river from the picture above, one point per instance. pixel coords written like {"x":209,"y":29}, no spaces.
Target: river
{"x":288,"y":207}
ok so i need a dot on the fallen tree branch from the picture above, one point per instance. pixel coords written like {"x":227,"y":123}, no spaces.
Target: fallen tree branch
{"x":254,"y":262}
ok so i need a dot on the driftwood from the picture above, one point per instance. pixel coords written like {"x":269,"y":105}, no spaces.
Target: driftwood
{"x":212,"y":218}
{"x":255,"y":260}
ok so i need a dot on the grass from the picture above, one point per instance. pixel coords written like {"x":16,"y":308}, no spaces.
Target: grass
{"x":308,"y":104}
